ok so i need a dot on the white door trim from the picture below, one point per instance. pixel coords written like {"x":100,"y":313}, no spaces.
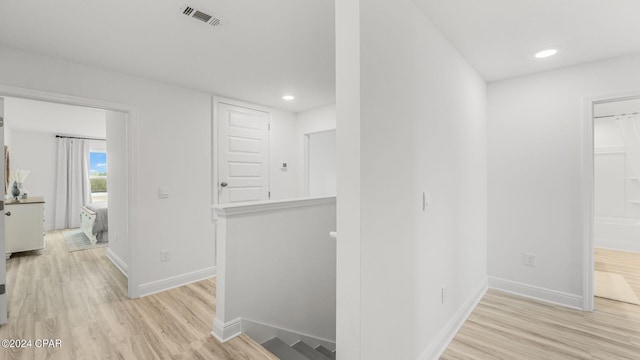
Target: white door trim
{"x":131,"y":166}
{"x":4,"y":297}
{"x":588,"y":193}
{"x":307,"y":136}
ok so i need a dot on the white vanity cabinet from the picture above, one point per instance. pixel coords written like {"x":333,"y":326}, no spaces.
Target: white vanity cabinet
{"x":24,"y":225}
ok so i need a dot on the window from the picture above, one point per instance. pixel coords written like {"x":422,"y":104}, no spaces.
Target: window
{"x":98,"y":176}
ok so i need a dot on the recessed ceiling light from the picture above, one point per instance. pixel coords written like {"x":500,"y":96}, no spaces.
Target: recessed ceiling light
{"x":288,"y":97}
{"x":546,"y":53}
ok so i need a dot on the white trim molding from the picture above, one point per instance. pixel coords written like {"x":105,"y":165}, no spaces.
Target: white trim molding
{"x":224,"y":332}
{"x":537,"y":293}
{"x":176,"y":281}
{"x":230,"y":210}
{"x":588,"y":190}
{"x":117,"y":261}
{"x":441,"y":342}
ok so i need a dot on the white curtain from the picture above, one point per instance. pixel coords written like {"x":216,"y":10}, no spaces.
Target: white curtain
{"x":73,"y":189}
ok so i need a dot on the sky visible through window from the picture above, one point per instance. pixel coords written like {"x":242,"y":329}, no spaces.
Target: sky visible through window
{"x":97,"y":163}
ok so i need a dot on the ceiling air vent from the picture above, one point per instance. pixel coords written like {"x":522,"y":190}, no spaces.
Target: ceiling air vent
{"x":202,"y":15}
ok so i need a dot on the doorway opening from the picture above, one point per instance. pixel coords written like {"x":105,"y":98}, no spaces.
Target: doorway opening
{"x":320,"y":163}
{"x":121,"y":164}
{"x":615,"y":220}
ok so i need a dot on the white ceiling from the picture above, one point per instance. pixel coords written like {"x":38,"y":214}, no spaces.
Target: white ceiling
{"x":264,"y":49}
{"x":500,"y":37}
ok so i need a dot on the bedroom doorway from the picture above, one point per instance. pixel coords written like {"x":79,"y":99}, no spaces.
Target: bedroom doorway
{"x":320,"y":163}
{"x":116,"y":142}
{"x":616,"y":159}
{"x":65,"y":162}
{"x":610,"y":191}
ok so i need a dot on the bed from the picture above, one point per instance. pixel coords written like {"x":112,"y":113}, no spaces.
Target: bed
{"x":94,"y":222}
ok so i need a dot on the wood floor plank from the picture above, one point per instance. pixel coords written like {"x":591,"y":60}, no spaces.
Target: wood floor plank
{"x":81,"y":298}
{"x":505,"y":326}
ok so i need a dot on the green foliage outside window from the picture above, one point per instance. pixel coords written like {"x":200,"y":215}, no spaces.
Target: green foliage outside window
{"x":98,"y":184}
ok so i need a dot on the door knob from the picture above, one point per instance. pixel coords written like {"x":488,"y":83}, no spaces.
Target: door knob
{"x":224,"y":184}
{"x":8,"y":213}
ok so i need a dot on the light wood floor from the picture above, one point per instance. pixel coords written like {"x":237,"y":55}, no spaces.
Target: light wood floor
{"x":81,"y":298}
{"x":504,"y":326}
{"x":624,"y":263}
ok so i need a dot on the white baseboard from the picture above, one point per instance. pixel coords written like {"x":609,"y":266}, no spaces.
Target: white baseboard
{"x":537,"y":293}
{"x":620,"y":245}
{"x":261,"y":332}
{"x":439,"y":345}
{"x":226,"y":331}
{"x":117,"y":261}
{"x":176,"y":281}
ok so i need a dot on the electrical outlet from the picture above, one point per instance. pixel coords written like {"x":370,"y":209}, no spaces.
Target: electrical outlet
{"x":165,"y":255}
{"x":529,"y":259}
{"x":445,"y":294}
{"x":163,"y":192}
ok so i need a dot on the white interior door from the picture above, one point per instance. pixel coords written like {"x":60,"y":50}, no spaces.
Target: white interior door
{"x":3,"y":261}
{"x":243,"y":154}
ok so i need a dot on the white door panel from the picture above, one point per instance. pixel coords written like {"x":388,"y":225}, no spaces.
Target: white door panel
{"x":244,"y":194}
{"x":248,"y":146}
{"x":243,"y":145}
{"x":245,"y":170}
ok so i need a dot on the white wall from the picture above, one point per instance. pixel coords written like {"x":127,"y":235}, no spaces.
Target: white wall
{"x":422,"y":128}
{"x":277,"y":266}
{"x":34,"y":148}
{"x":173,"y":149}
{"x":36,"y":151}
{"x":116,"y":123}
{"x":282,"y":146}
{"x":307,"y":122}
{"x":348,"y":122}
{"x":316,"y":120}
{"x":41,"y":116}
{"x":617,"y":166}
{"x":535,"y":149}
